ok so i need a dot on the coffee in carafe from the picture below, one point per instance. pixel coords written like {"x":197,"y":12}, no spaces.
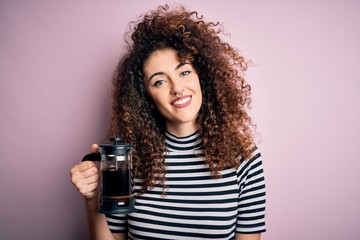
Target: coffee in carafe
{"x":115,"y":177}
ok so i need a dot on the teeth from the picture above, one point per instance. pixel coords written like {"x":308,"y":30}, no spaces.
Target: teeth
{"x":182,"y":101}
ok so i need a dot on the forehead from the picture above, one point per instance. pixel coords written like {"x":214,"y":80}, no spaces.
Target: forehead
{"x":161,"y":58}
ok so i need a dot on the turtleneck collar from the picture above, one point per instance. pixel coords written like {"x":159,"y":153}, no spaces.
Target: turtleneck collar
{"x":186,"y":143}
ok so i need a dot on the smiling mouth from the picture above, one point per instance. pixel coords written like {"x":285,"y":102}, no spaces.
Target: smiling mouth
{"x":181,"y":102}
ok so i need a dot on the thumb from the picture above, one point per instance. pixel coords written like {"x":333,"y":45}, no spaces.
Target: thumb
{"x":94,"y":148}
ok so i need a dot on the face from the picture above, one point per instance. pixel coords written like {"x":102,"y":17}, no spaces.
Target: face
{"x":174,"y":88}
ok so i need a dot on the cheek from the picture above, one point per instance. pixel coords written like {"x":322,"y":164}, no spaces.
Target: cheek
{"x":197,"y":87}
{"x":199,"y":93}
{"x":158,"y":99}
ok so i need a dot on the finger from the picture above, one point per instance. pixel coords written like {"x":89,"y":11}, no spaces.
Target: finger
{"x":88,"y":177}
{"x":89,"y":190}
{"x":77,"y":176}
{"x":83,"y":166}
{"x":94,"y":148}
{"x":85,"y":176}
{"x":89,"y":172}
{"x":82,"y":183}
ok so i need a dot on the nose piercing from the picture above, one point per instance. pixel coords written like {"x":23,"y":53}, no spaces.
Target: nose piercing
{"x":179,"y":94}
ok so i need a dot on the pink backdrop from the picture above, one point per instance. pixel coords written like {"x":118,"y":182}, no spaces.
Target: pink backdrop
{"x":56,"y":59}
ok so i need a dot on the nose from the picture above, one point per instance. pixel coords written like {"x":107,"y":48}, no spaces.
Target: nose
{"x":176,"y":87}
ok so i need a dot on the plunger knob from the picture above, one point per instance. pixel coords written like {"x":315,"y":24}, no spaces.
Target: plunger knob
{"x":116,"y":140}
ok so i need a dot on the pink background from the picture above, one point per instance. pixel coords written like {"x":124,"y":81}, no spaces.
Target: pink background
{"x":56,"y":60}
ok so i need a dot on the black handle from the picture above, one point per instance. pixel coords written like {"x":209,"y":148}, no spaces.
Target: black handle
{"x":92,"y":157}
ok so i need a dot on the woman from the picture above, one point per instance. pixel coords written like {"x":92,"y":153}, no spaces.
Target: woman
{"x":181,"y":100}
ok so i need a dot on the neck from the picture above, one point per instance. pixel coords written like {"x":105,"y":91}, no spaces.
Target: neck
{"x":183,"y":130}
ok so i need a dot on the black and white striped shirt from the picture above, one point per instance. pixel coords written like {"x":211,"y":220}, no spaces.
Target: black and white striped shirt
{"x":196,"y":205}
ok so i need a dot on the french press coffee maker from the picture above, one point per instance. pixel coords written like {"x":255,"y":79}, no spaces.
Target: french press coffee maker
{"x":116,"y":194}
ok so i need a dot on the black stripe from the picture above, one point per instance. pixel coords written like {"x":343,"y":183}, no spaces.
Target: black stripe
{"x":262,"y":194}
{"x":258,"y":172}
{"x":245,"y":167}
{"x":191,"y":201}
{"x":121,"y":217}
{"x":182,"y":163}
{"x":199,"y":178}
{"x":194,"y":194}
{"x":244,"y":205}
{"x":188,"y":171}
{"x":190,"y":209}
{"x":182,"y":225}
{"x":137,"y":236}
{"x":251,"y":211}
{"x":253,"y":218}
{"x":118,"y":231}
{"x":176,"y":233}
{"x":252,"y":189}
{"x":187,"y":217}
{"x":202,"y":185}
{"x":260,"y":179}
{"x":114,"y":224}
{"x":191,"y":137}
{"x":181,"y":156}
{"x":182,"y":148}
{"x":255,"y":225}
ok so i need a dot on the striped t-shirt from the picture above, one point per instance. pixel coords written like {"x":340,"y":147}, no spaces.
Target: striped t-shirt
{"x":197,"y":206}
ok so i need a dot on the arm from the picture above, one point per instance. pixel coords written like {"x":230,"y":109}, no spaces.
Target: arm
{"x":252,"y":199}
{"x":98,"y":227}
{"x":255,"y":236}
{"x":85,"y":177}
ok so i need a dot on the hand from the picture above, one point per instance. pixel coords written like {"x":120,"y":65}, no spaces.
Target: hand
{"x":85,"y":177}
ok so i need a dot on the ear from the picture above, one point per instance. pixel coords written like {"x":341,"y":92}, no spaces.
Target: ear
{"x":150,"y":101}
{"x":152,"y":105}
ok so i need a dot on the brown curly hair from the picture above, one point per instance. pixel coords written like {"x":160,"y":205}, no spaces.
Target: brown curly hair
{"x":223,"y":120}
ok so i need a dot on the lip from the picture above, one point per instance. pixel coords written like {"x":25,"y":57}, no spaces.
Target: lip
{"x":182,"y":102}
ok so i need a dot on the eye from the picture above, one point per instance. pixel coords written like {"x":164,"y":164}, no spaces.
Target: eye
{"x":158,"y":83}
{"x":184,"y":73}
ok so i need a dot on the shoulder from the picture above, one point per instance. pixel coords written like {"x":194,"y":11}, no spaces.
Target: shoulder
{"x":254,"y":160}
{"x":251,"y":166}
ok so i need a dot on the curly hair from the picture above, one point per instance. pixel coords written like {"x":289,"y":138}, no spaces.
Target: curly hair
{"x":223,"y":120}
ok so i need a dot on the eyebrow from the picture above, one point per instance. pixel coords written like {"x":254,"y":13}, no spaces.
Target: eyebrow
{"x":162,"y":73}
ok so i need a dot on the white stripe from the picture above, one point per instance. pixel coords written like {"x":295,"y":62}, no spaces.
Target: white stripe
{"x":191,"y":222}
{"x":175,"y":197}
{"x":209,"y":206}
{"x":181,"y":229}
